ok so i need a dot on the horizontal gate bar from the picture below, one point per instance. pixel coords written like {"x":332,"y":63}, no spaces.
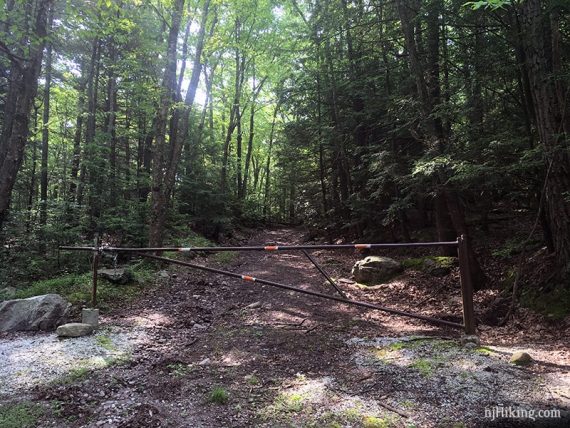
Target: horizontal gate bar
{"x":311,"y":293}
{"x":268,"y":247}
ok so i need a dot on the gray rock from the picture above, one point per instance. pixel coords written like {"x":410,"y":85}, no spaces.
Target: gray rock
{"x":44,"y":312}
{"x":74,"y":329}
{"x":435,"y":269}
{"x":521,"y":359}
{"x":90,"y":316}
{"x":253,"y":305}
{"x":116,"y":276}
{"x":374,"y":269}
{"x":470,"y":341}
{"x":164,"y":274}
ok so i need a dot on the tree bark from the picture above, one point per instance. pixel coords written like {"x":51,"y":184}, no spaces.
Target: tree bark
{"x":549,"y":92}
{"x":22,"y":90}
{"x":266,"y":211}
{"x":255,"y":92}
{"x":448,"y":211}
{"x":159,"y":199}
{"x":45,"y":135}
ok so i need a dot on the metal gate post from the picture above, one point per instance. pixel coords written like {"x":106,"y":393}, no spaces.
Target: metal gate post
{"x":466,"y":286}
{"x":95,"y":268}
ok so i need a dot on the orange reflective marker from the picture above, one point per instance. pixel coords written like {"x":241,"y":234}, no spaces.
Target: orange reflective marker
{"x":362,"y":246}
{"x":248,"y":278}
{"x":271,"y":248}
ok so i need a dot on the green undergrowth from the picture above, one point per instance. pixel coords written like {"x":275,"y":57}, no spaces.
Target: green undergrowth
{"x":425,"y":355}
{"x":186,"y":237}
{"x":105,"y":342}
{"x":21,"y":415}
{"x":225,"y":257}
{"x":179,"y":369}
{"x":420,"y":262}
{"x":77,"y":288}
{"x":219,"y":395}
{"x":554,"y":305}
{"x":89,"y":365}
{"x":415,"y":343}
{"x":514,"y":246}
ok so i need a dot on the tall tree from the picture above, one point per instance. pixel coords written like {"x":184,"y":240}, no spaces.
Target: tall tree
{"x":159,"y":200}
{"x":45,"y":129}
{"x":541,"y":22}
{"x":26,"y":60}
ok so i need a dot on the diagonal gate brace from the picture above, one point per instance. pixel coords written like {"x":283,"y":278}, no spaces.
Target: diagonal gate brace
{"x":325,"y":274}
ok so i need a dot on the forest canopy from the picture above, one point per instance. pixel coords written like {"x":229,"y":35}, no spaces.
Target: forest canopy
{"x":373,"y":119}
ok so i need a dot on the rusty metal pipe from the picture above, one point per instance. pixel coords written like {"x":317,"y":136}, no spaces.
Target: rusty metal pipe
{"x":325,"y":274}
{"x":268,"y":247}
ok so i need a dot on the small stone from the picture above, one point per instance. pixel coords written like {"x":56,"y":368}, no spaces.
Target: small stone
{"x":163,"y":274}
{"x":521,"y":359}
{"x":74,"y":329}
{"x":204,"y":362}
{"x":254,"y":305}
{"x":199,"y":326}
{"x":470,"y":339}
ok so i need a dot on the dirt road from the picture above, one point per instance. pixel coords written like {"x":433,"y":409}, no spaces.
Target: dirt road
{"x":226,"y":353}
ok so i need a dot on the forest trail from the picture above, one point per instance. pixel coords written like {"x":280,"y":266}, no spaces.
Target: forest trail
{"x":223,"y":352}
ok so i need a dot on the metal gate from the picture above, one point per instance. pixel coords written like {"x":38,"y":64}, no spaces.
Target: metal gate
{"x":461,"y":244}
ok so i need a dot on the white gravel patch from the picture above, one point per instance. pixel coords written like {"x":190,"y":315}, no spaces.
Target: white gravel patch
{"x":444,"y":380}
{"x":31,"y":360}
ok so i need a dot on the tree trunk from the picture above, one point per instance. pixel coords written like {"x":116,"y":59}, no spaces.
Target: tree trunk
{"x":45,"y":136}
{"x":550,"y":96}
{"x":447,"y":209}
{"x":76,"y":157}
{"x":93,"y":166}
{"x":255,"y":93}
{"x":110,"y":123}
{"x":159,"y":198}
{"x":22,"y":90}
{"x":268,"y":163}
{"x":32,"y":188}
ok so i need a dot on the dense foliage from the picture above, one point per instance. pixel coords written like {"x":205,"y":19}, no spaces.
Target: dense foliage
{"x":370,"y":118}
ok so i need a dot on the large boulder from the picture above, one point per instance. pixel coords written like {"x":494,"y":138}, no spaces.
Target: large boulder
{"x":375,"y":270}
{"x":35,"y":313}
